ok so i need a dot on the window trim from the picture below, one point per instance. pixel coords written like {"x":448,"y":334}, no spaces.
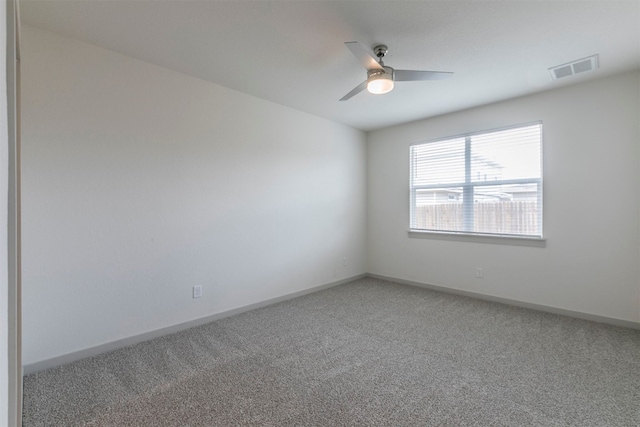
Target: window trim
{"x":498,"y":239}
{"x":508,"y":239}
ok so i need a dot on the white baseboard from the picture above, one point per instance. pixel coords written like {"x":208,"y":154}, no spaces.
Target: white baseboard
{"x":125,"y":342}
{"x":507,"y":301}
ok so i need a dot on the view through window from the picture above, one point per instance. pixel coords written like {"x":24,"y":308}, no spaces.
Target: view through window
{"x":479,"y":183}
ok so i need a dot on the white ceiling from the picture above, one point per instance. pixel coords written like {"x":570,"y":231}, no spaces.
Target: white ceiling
{"x":292,"y":52}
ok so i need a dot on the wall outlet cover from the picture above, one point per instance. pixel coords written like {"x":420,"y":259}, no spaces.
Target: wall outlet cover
{"x":197,"y":291}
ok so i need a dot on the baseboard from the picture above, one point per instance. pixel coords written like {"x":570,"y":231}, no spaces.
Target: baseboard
{"x":126,"y":342}
{"x":507,"y":301}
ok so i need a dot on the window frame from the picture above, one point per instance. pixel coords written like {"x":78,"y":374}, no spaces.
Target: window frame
{"x":469,"y":186}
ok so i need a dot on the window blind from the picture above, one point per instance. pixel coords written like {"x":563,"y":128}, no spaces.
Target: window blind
{"x":486,"y":182}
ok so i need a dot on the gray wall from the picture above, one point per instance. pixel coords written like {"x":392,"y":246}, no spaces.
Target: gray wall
{"x":591,"y":204}
{"x":10,"y":345}
{"x":4,"y":235}
{"x":140,"y":183}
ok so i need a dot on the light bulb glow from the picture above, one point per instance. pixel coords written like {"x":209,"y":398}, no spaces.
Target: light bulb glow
{"x":380,"y":83}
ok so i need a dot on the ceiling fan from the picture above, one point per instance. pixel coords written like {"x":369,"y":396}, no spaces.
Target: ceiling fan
{"x":381,"y":78}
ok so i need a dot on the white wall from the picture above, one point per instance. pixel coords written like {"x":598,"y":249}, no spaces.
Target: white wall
{"x":591,"y":204}
{"x":139,"y":182}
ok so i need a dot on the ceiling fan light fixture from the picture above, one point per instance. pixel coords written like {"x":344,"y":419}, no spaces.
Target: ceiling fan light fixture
{"x":379,"y":83}
{"x":381,"y":78}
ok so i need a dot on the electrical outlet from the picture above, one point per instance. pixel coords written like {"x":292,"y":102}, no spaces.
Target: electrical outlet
{"x":479,"y":273}
{"x":197,"y":291}
{"x":344,"y":262}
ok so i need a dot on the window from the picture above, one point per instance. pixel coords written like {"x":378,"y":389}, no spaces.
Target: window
{"x":487,"y":183}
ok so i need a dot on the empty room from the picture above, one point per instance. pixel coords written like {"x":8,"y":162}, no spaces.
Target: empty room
{"x":326,"y":213}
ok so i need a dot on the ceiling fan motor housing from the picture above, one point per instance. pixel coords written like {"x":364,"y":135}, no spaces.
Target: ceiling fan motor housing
{"x":374,"y":73}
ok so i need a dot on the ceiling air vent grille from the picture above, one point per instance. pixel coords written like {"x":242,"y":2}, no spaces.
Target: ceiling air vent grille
{"x":575,"y":67}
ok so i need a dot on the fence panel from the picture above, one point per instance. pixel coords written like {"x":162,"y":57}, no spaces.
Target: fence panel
{"x":519,"y":217}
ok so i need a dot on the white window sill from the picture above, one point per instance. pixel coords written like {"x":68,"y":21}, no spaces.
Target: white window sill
{"x":480,"y":238}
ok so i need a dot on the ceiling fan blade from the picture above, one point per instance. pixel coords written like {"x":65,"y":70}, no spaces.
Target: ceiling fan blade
{"x":364,"y":57}
{"x":362,"y":86}
{"x":415,"y":75}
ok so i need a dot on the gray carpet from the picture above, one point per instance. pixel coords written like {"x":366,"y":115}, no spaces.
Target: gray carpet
{"x":368,"y":353}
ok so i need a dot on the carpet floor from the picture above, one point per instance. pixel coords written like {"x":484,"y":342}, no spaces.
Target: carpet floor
{"x":367,"y":353}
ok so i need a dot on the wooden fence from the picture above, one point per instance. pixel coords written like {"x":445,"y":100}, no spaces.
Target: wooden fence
{"x":520,"y":217}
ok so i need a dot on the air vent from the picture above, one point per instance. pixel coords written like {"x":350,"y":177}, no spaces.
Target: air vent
{"x":576,"y":67}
